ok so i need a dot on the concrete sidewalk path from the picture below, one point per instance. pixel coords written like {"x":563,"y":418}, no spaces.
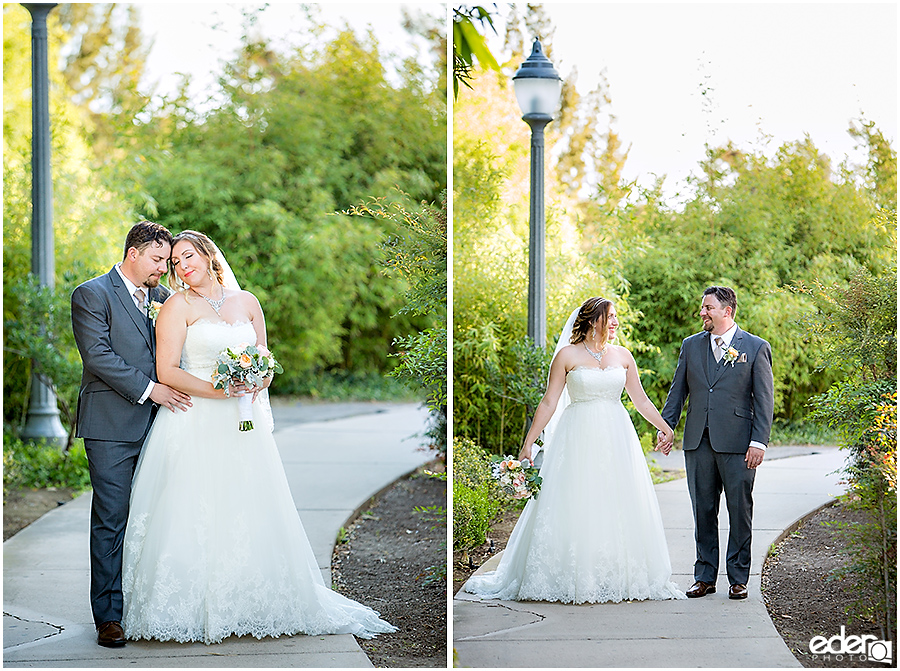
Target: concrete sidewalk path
{"x":333,"y":467}
{"x":709,"y":632}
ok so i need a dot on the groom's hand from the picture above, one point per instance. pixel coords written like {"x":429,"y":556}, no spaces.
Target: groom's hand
{"x":169,"y":397}
{"x":754,"y":457}
{"x":664,"y":443}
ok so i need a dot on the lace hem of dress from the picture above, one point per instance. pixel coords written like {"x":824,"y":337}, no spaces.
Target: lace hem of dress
{"x":481,"y":586}
{"x":163,"y":630}
{"x":187,"y":603}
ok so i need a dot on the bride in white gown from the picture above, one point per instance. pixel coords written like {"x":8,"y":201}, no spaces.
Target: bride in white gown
{"x":214,"y":546}
{"x":594,"y":533}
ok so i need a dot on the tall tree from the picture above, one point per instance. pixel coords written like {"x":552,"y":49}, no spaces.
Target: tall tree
{"x":266,"y":174}
{"x":104,"y":54}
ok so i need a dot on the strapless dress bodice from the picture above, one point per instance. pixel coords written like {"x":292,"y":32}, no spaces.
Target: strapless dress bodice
{"x":205,"y":340}
{"x":587,"y":384}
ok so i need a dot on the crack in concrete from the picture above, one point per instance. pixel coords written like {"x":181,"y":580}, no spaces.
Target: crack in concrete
{"x":59,"y":629}
{"x":540,"y":619}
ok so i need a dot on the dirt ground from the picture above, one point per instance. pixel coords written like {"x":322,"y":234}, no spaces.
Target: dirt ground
{"x":801,"y":600}
{"x":384,"y":563}
{"x":23,"y":506}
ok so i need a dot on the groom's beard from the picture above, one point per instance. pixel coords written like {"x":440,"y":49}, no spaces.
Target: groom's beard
{"x":708,"y":326}
{"x":152,"y":281}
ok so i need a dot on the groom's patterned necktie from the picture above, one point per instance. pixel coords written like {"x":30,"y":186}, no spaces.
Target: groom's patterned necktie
{"x":720,"y":345}
{"x":139,"y":294}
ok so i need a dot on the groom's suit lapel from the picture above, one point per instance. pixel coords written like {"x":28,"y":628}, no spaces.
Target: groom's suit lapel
{"x":156,"y":294}
{"x":139,"y":318}
{"x":705,"y":358}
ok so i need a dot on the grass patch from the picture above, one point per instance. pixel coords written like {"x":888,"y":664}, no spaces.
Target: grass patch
{"x":786,"y":432}
{"x":348,"y":386}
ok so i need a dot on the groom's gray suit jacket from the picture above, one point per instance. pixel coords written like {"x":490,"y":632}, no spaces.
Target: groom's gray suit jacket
{"x":117,"y":343}
{"x":735,"y":401}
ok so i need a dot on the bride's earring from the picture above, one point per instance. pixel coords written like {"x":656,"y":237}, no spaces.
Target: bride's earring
{"x":594,"y":333}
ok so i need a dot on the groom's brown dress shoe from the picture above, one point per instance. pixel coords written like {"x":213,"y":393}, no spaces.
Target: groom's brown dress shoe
{"x":737,"y":591}
{"x":111,"y":635}
{"x":699,"y":589}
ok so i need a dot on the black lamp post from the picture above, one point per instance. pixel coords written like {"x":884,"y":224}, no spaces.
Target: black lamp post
{"x":43,"y":413}
{"x":537,"y":85}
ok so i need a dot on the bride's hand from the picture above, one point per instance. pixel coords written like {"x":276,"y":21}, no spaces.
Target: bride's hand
{"x":256,"y":390}
{"x":525,"y":453}
{"x":665,"y":439}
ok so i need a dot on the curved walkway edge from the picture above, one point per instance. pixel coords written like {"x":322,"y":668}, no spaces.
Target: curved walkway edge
{"x":709,"y":632}
{"x":332,"y":466}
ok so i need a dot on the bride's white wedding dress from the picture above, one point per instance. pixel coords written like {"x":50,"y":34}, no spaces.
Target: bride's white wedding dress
{"x":214,"y":545}
{"x":594,"y":533}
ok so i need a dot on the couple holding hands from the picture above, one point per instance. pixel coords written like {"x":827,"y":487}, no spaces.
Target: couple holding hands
{"x":595,"y":534}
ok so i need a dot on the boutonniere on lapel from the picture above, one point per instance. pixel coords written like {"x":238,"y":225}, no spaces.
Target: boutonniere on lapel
{"x":731,"y":355}
{"x":153,"y":310}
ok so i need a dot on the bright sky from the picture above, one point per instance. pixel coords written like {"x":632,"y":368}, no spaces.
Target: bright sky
{"x":197,"y":38}
{"x":782,"y":70}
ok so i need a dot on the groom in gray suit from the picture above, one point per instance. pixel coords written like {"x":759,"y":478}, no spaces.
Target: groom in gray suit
{"x":118,"y":400}
{"x":727,"y":373}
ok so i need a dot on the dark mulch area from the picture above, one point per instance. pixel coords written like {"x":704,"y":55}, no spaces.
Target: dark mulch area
{"x":23,"y":506}
{"x":802,"y":598}
{"x":385,"y":563}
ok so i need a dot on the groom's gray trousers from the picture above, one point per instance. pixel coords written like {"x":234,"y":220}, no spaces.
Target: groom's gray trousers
{"x":112,"y":466}
{"x":708,"y":474}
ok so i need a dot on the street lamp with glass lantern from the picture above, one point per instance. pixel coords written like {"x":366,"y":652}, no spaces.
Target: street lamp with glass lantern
{"x":537,"y":85}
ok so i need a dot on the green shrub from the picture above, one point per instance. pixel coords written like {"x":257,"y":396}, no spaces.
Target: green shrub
{"x":473,"y":511}
{"x":802,"y":432}
{"x":477,"y":497}
{"x":854,"y":329}
{"x":41,"y":465}
{"x":471,"y":464}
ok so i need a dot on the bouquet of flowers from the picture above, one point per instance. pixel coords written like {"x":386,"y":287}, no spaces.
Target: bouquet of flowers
{"x":517,"y":478}
{"x":248,"y":364}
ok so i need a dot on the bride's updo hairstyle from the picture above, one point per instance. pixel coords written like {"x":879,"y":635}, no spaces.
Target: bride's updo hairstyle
{"x":593,"y":312}
{"x":206,"y":249}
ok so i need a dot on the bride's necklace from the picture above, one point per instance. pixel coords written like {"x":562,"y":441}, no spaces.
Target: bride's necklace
{"x":596,"y":355}
{"x":215,"y":305}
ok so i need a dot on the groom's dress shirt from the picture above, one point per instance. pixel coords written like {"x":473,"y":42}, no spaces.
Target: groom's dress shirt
{"x":132,"y":287}
{"x":727,"y":337}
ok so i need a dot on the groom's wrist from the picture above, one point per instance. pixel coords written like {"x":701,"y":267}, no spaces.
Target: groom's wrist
{"x":754,"y":443}
{"x":147,"y":392}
